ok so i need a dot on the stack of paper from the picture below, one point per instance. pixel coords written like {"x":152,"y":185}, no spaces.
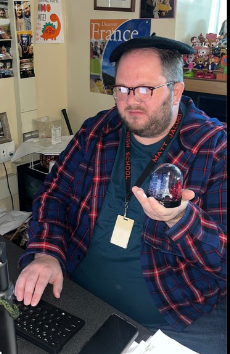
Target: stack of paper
{"x":12,"y":220}
{"x":44,"y":147}
{"x":159,"y":344}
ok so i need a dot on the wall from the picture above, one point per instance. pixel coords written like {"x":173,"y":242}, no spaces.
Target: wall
{"x":23,"y":100}
{"x":195,"y":17}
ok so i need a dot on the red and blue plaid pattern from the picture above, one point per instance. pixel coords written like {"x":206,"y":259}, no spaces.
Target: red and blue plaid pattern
{"x":184,"y":267}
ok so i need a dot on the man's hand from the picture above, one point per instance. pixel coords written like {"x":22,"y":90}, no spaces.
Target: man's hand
{"x":156,"y":211}
{"x":34,"y":278}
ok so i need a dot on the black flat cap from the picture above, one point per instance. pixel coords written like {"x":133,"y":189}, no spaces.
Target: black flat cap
{"x":152,"y":41}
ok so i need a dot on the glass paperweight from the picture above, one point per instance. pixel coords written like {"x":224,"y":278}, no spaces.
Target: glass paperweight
{"x":166,"y":185}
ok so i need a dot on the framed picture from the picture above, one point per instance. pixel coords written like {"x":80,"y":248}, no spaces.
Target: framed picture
{"x":5,"y":135}
{"x":157,"y":9}
{"x":115,"y":5}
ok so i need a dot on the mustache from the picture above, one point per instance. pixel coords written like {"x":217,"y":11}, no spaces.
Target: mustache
{"x":135,"y":107}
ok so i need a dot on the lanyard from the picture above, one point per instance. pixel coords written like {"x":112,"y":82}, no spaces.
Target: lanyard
{"x":168,"y":139}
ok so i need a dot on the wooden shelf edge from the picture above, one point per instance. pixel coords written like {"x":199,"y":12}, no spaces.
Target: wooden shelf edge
{"x":214,"y":87}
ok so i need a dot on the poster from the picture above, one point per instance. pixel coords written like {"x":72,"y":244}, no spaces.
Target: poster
{"x":5,"y":42}
{"x":106,"y":35}
{"x":49,"y":27}
{"x":24,"y":33}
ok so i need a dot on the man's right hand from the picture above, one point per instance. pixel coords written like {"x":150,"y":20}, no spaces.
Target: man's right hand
{"x":34,"y":278}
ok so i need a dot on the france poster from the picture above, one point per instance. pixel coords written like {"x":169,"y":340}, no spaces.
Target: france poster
{"x":105,"y":36}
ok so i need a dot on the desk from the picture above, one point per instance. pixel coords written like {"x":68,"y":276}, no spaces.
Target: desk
{"x":74,"y":299}
{"x":207,"y":335}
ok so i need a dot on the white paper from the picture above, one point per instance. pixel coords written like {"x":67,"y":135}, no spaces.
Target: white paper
{"x":159,"y":343}
{"x":2,"y":212}
{"x":41,"y":147}
{"x":12,"y":220}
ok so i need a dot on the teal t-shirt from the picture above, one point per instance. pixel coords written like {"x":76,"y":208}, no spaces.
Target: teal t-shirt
{"x":112,"y":273}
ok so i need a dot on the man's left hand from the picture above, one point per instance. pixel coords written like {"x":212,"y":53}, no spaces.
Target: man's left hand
{"x":156,"y":211}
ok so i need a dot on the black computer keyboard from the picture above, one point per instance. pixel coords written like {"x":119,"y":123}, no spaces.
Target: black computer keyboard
{"x":46,"y":325}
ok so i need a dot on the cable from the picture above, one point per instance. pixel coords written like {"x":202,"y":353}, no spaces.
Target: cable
{"x":67,"y":121}
{"x":7,"y":179}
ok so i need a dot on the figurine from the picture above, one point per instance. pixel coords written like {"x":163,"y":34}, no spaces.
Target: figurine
{"x":211,"y":40}
{"x":200,"y":63}
{"x":211,"y":66}
{"x":201,"y":39}
{"x":217,"y":62}
{"x":224,"y":63}
{"x":222,"y":44}
{"x":203,"y":52}
{"x":190,"y":65}
{"x":223,"y":30}
{"x":199,"y":74}
{"x":195,"y":42}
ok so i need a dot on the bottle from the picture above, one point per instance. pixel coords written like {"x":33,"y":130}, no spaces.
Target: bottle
{"x":166,"y":185}
{"x":8,"y":343}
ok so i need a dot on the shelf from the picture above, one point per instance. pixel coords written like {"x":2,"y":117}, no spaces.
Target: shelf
{"x":213,"y":87}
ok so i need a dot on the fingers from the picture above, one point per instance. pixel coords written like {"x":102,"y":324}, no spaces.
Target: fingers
{"x":151,"y":206}
{"x":57,"y":287}
{"x":34,"y":278}
{"x":187,"y":194}
{"x":155,"y":210}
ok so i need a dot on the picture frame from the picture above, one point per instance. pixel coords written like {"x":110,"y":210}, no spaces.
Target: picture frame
{"x":160,"y":9}
{"x":115,"y":5}
{"x":5,"y":135}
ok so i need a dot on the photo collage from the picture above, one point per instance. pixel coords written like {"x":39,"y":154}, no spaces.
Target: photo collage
{"x":6,"y":58}
{"x":24,"y":34}
{"x":25,"y":38}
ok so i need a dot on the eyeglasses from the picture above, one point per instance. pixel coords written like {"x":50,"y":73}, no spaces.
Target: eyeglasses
{"x":141,"y":93}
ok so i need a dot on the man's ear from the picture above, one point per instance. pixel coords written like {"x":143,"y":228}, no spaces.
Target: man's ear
{"x":177,"y":92}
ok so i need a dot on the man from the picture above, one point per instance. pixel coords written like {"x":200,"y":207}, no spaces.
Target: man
{"x":93,"y":220}
{"x":2,"y":13}
{"x":96,"y":50}
{"x":27,"y":14}
{"x":153,"y":4}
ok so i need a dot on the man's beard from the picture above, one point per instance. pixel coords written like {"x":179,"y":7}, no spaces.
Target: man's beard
{"x":157,"y":124}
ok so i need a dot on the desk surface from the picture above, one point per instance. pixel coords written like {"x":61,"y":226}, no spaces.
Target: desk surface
{"x":75,"y":300}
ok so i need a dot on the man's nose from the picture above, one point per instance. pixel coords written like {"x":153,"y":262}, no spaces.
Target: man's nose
{"x":131,"y":97}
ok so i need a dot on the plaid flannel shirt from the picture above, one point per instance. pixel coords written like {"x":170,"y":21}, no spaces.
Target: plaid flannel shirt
{"x":184,"y":266}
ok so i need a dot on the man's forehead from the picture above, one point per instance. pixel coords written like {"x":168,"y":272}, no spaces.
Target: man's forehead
{"x":146,"y":53}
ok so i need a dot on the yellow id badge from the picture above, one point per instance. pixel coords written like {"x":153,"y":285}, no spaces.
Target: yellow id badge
{"x":122,"y":231}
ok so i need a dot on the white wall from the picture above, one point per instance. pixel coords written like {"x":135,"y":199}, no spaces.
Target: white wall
{"x":199,"y":16}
